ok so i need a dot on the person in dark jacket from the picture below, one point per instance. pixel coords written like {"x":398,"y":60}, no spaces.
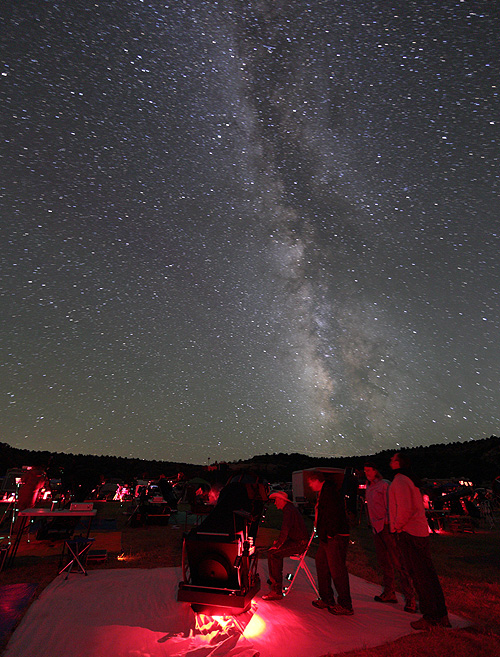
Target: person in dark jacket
{"x":293,"y":539}
{"x":332,"y":528}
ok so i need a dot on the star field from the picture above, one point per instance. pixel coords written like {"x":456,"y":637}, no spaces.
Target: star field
{"x":232,"y":228}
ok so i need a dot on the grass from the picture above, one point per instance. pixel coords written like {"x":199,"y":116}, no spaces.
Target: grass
{"x":469,"y":568}
{"x":468,"y":565}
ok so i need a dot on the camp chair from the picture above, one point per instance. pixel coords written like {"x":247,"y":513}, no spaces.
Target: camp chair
{"x":302,"y":565}
{"x":77,"y":550}
{"x":4,"y":552}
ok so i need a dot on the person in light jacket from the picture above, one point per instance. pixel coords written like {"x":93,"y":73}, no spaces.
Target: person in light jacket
{"x":386,"y":545}
{"x":408,"y":521}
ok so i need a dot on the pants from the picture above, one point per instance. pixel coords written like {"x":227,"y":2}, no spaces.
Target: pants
{"x":416,"y":554}
{"x":275,"y":561}
{"x":331,"y":566}
{"x":389,"y":559}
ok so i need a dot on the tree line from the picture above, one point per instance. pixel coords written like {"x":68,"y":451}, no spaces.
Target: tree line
{"x":477,"y":460}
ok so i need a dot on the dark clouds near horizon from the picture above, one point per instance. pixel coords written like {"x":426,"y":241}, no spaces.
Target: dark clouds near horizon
{"x":232,"y":228}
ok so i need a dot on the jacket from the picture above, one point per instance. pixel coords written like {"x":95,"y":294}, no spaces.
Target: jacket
{"x":331,"y":517}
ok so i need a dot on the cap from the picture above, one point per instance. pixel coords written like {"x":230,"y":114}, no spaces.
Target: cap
{"x":281,"y":494}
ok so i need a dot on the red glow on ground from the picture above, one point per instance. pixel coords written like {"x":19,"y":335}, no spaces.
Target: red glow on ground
{"x":126,"y":557}
{"x":255,"y":627}
{"x":209,"y":624}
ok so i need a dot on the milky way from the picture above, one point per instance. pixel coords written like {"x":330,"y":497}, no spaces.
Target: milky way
{"x":234,"y":228}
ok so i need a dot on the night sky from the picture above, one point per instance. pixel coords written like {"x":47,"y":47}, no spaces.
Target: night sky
{"x":236,"y":227}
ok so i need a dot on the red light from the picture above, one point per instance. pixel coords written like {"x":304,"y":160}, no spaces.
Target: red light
{"x":255,"y":627}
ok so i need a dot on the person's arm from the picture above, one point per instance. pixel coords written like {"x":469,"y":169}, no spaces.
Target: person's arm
{"x":285,"y":527}
{"x":378,"y":507}
{"x":400,"y":503}
{"x":331,"y":510}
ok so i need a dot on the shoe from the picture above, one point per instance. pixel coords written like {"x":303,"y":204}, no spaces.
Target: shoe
{"x":411,"y":607}
{"x":421,"y":624}
{"x":386,"y":597}
{"x":273,"y":595}
{"x":338,"y":610}
{"x":321,"y":604}
{"x":428,"y":624}
{"x":444,"y":621}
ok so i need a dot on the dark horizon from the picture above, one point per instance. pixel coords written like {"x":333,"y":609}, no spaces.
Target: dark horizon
{"x":257,"y":457}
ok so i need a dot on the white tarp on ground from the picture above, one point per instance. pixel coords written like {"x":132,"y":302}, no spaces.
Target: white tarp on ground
{"x":134,"y":613}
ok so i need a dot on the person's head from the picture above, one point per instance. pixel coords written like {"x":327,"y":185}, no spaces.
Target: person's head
{"x":371,"y":472}
{"x":280,"y":499}
{"x":316,"y":481}
{"x":394,"y":462}
{"x":399,"y":461}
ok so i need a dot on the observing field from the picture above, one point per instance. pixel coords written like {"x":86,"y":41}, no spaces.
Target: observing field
{"x":468,"y":564}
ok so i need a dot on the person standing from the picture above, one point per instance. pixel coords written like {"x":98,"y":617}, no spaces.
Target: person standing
{"x":332,"y":528}
{"x":32,"y":482}
{"x":386,"y":546}
{"x":408,"y":520}
{"x":293,"y":539}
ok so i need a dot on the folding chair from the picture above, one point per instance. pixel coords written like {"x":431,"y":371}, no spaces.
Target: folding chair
{"x":301,"y":558}
{"x":77,"y":550}
{"x":4,"y":553}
